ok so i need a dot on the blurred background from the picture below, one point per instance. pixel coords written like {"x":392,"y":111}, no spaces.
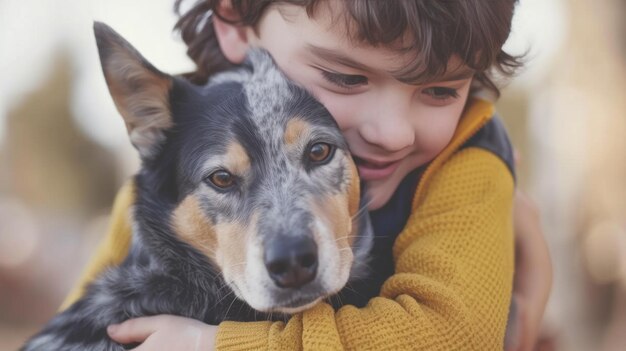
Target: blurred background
{"x":64,"y":151}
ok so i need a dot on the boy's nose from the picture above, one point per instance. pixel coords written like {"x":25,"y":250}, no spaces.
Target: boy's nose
{"x":388,"y":134}
{"x":291,"y":261}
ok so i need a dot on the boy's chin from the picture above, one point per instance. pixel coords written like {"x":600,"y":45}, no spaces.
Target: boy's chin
{"x":379,"y":192}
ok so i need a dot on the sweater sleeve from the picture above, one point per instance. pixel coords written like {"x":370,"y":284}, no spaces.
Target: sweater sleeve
{"x":452,"y":283}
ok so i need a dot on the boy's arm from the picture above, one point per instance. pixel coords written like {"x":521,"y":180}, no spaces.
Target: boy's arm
{"x":533,"y":275}
{"x":113,"y":249}
{"x":452,"y":284}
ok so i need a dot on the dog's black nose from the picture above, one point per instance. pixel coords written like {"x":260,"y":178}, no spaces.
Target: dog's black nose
{"x":291,"y":262}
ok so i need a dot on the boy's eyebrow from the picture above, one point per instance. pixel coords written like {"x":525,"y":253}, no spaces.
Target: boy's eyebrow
{"x":401,"y":75}
{"x":459,"y":74}
{"x":334,"y":56}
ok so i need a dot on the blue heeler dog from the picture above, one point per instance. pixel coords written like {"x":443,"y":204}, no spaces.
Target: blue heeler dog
{"x":247,"y":200}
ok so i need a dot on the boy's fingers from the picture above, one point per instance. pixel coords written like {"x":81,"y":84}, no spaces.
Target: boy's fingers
{"x":133,"y":330}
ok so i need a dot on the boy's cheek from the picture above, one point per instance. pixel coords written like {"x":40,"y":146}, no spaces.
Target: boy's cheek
{"x":345,"y":109}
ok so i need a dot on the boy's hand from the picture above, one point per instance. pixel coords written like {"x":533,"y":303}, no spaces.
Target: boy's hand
{"x":533,"y":276}
{"x":165,"y":332}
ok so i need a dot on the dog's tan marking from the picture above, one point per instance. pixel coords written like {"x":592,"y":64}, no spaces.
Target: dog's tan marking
{"x":232,"y":238}
{"x":192,"y":226}
{"x":354,"y":192}
{"x":353,"y":195}
{"x":237,"y":159}
{"x":295,"y":129}
{"x":333,"y":210}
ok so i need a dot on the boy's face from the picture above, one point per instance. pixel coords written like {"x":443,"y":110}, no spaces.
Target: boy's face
{"x":391,"y":127}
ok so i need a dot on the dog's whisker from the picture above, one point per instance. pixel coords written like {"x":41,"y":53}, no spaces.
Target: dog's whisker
{"x":356,"y":236}
{"x":238,"y":264}
{"x":349,"y":288}
{"x":372,"y":236}
{"x":339,"y":298}
{"x":223,"y":298}
{"x":231,"y":305}
{"x":362,"y":210}
{"x":248,"y":309}
{"x":345,"y":237}
{"x":223,"y":288}
{"x":241,"y":305}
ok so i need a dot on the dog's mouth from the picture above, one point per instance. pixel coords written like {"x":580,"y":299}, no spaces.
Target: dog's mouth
{"x":298,"y":304}
{"x":285,"y":301}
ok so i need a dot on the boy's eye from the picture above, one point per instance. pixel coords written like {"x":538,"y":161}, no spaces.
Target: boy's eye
{"x":441,"y":93}
{"x":344,"y":80}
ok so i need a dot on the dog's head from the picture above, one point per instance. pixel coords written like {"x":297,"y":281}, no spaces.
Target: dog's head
{"x":256,"y":172}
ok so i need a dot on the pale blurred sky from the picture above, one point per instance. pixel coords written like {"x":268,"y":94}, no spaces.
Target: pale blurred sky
{"x":33,"y":31}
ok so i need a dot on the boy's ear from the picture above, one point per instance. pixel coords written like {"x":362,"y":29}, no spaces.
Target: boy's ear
{"x":140,"y":91}
{"x":233,"y":38}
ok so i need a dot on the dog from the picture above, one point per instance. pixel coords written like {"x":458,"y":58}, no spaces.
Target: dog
{"x":247,"y":202}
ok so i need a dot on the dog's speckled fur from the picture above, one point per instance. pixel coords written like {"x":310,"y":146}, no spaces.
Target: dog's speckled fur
{"x":197,"y":251}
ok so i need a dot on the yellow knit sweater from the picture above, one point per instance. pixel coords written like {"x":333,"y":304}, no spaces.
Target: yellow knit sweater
{"x":453,"y":266}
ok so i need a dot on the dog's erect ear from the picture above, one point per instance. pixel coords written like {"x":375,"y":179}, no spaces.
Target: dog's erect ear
{"x":140,"y":91}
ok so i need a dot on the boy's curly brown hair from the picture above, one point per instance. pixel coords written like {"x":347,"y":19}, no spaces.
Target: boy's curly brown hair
{"x":473,"y":30}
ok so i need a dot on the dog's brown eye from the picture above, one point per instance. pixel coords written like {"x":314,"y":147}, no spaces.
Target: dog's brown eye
{"x":222,"y":179}
{"x":320,"y":152}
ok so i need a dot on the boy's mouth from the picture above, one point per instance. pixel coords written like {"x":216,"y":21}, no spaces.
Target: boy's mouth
{"x":374,"y":170}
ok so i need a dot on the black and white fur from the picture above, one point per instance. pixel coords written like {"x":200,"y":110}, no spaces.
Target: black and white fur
{"x":184,"y":133}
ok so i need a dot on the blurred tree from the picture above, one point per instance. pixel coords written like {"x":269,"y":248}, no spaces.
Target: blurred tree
{"x":52,"y":166}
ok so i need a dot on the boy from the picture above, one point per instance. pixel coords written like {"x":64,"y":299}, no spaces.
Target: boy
{"x":398,"y":77}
